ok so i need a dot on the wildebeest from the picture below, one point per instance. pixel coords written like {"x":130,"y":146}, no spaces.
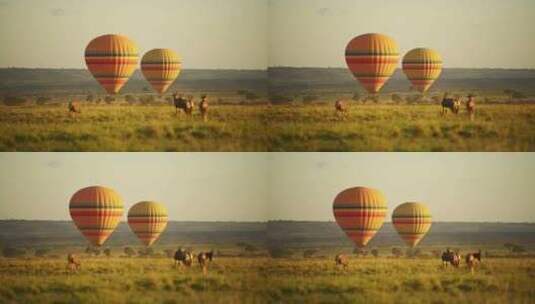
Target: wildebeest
{"x":183,"y":257}
{"x":341,"y":260}
{"x":450,"y":103}
{"x":182,"y":103}
{"x":74,"y":107}
{"x":450,"y":257}
{"x":203,"y":107}
{"x":341,"y":107}
{"x":471,"y":106}
{"x":472,"y":260}
{"x":203,"y":258}
{"x":73,"y":263}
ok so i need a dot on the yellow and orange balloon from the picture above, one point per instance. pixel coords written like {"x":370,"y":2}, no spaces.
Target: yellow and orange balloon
{"x":111,"y":59}
{"x":412,"y":221}
{"x":422,"y":66}
{"x":147,"y":220}
{"x":360,"y":212}
{"x":96,"y":211}
{"x":160,"y":67}
{"x":372,"y":59}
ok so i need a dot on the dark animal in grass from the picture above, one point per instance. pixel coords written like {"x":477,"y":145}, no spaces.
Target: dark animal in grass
{"x":472,"y":260}
{"x":74,"y":107}
{"x":203,"y":108}
{"x":183,"y":257}
{"x":341,"y":108}
{"x":341,"y":260}
{"x":452,"y":104}
{"x":73,"y":263}
{"x":450,"y":257}
{"x":204,"y":258}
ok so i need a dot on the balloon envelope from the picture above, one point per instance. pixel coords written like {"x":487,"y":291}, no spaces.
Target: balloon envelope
{"x":372,"y":59}
{"x":147,"y":220}
{"x":412,"y":221}
{"x":96,"y":211}
{"x":360,"y":212}
{"x":111,"y":59}
{"x":160,"y":67}
{"x":422,"y":67}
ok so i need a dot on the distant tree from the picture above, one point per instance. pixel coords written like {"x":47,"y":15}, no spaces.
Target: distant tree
{"x":356,"y":96}
{"x":242,"y":92}
{"x":129,"y":251}
{"x":250,"y":248}
{"x":518,"y":95}
{"x":107,"y":252}
{"x":14,"y":101}
{"x":146,"y":89}
{"x":251,"y":96}
{"x":41,"y":100}
{"x":41,"y":252}
{"x":310,"y":98}
{"x":396,"y":98}
{"x":309,"y":253}
{"x":169,"y":253}
{"x":375,"y":252}
{"x":109,"y":99}
{"x":396,"y":251}
{"x":278,"y":98}
{"x":12,"y":252}
{"x":130,"y":99}
{"x":90,"y":98}
{"x":279,"y":252}
{"x":518,"y":249}
{"x":360,"y":251}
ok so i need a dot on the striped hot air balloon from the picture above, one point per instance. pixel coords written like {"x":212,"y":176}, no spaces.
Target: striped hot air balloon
{"x":372,"y":58}
{"x":422,"y":67}
{"x":147,"y":220}
{"x":160,"y":67}
{"x":96,"y":211}
{"x":360,"y":212}
{"x":412,"y":221}
{"x":111,"y":59}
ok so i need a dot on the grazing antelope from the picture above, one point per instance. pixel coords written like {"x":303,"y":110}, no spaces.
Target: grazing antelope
{"x":73,"y":264}
{"x":450,"y":103}
{"x":204,"y":258}
{"x":183,"y":257}
{"x":471,"y":107}
{"x":203,"y":108}
{"x":341,"y":260}
{"x":341,"y":108}
{"x":74,"y":108}
{"x":472,"y":260}
{"x":450,"y":257}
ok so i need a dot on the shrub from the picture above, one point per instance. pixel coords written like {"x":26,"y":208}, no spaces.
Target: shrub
{"x":109,"y":99}
{"x":279,"y":98}
{"x":41,"y":252}
{"x":90,"y":98}
{"x":11,"y":252}
{"x":375,"y":252}
{"x":396,"y":98}
{"x":129,"y":251}
{"x":397,"y":252}
{"x":356,"y":96}
{"x":251,"y":96}
{"x":310,"y":98}
{"x":250,"y":248}
{"x":309,"y":253}
{"x":14,"y":101}
{"x":279,"y":252}
{"x":41,"y":100}
{"x":107,"y":252}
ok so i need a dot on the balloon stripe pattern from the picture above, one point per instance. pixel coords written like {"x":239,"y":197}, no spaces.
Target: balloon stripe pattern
{"x":147,"y":220}
{"x":96,"y":211}
{"x":412,"y":221}
{"x":422,"y":67}
{"x":372,"y":59}
{"x":160,"y":67}
{"x":360,"y":212}
{"x":111,"y":59}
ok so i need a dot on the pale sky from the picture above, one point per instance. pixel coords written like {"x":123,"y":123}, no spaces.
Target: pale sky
{"x":206,"y":33}
{"x":193,"y":186}
{"x":495,"y":187}
{"x":252,"y":34}
{"x":468,"y":33}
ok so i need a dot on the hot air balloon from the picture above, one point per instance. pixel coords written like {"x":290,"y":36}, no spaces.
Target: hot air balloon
{"x":412,"y":221}
{"x":111,"y":59}
{"x":372,"y":58}
{"x":96,"y":211}
{"x":147,"y":220}
{"x":360,"y":212}
{"x":160,"y":67}
{"x":422,"y":67}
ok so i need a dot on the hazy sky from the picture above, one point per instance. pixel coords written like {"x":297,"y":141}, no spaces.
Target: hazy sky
{"x":254,"y":33}
{"x":206,"y":33}
{"x":260,"y":186}
{"x":468,"y":33}
{"x":193,"y":186}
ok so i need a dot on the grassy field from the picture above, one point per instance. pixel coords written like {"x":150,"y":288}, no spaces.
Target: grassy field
{"x":259,"y":280}
{"x":314,"y":127}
